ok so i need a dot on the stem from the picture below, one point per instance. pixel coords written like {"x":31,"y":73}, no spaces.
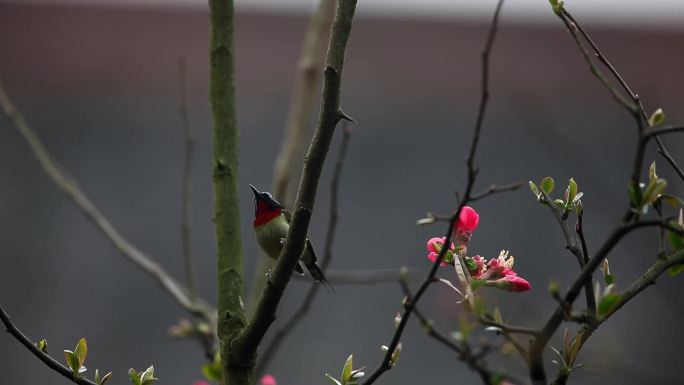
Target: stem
{"x":236,"y":369}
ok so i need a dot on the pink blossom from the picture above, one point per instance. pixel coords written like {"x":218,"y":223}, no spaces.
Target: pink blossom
{"x":434,"y":245}
{"x":511,"y":283}
{"x":200,"y":382}
{"x":268,"y":379}
{"x":467,"y":220}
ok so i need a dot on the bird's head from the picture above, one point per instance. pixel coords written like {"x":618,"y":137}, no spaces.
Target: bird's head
{"x":265,"y":206}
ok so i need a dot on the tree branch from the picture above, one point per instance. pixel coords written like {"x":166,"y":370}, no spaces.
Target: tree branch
{"x":637,"y":109}
{"x":71,"y":188}
{"x":287,"y":168}
{"x":385,"y":365}
{"x":47,"y":360}
{"x":364,"y":277}
{"x":186,"y":210}
{"x":494,"y":189}
{"x":247,"y":342}
{"x":537,"y":371}
{"x":236,"y":368}
{"x":333,"y":218}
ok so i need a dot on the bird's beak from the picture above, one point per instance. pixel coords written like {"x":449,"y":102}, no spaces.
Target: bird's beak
{"x":256,"y":192}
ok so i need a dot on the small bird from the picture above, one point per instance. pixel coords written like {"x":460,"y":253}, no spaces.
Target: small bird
{"x":271,"y":224}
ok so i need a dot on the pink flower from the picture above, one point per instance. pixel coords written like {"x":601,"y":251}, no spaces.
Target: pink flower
{"x":434,"y":245}
{"x":511,"y":283}
{"x":467,"y":220}
{"x":200,"y":382}
{"x":268,"y":379}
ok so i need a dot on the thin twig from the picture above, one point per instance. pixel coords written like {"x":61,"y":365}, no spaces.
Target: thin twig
{"x":494,"y":189}
{"x":537,"y":370}
{"x":662,"y":150}
{"x":174,"y":288}
{"x":47,"y":359}
{"x":186,"y":211}
{"x":280,"y":334}
{"x":472,"y":173}
{"x":655,"y":132}
{"x":589,"y":284}
{"x":364,"y":277}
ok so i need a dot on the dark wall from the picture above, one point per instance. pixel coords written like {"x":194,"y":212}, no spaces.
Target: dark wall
{"x":100,"y":86}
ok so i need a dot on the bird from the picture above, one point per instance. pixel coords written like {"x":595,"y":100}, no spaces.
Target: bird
{"x":271,"y":224}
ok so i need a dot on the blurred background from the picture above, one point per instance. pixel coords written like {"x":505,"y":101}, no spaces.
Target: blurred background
{"x":99,"y":82}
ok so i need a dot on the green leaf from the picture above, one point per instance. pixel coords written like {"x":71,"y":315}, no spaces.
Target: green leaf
{"x":98,"y":380}
{"x":535,"y":189}
{"x":676,"y":240}
{"x":609,"y":278}
{"x":559,"y":202}
{"x":470,"y":264}
{"x":135,"y":377}
{"x":635,"y":195}
{"x":147,"y":377}
{"x":652,"y":176}
{"x":211,"y":372}
{"x":72,"y":362}
{"x":608,"y":303}
{"x":570,"y":192}
{"x":81,"y":351}
{"x":675,"y":270}
{"x":497,"y":316}
{"x":42,"y":346}
{"x":547,"y":185}
{"x":347,"y":369}
{"x":672,"y":200}
{"x":332,"y":379}
{"x":657,"y":117}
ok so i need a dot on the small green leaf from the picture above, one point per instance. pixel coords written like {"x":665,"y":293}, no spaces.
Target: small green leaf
{"x":676,"y":240}
{"x":98,"y":380}
{"x":675,"y":270}
{"x":570,"y":192}
{"x":609,"y":278}
{"x":547,"y":185}
{"x":72,"y":362}
{"x":657,"y":117}
{"x":147,"y":377}
{"x":497,"y":316}
{"x":635,"y":195}
{"x":608,"y":303}
{"x":554,"y":287}
{"x":347,"y":369}
{"x":396,"y":354}
{"x":42,"y":346}
{"x":332,"y":379}
{"x":652,"y":176}
{"x":81,"y":351}
{"x":211,"y":372}
{"x":559,"y":202}
{"x":135,"y":377}
{"x":535,"y":189}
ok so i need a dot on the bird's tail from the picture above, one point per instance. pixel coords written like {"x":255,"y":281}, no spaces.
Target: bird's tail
{"x":317,"y":274}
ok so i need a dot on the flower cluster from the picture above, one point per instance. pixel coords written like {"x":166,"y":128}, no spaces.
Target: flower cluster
{"x":497,"y":272}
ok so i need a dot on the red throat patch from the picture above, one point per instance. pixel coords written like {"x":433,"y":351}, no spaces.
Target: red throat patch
{"x":264,"y":213}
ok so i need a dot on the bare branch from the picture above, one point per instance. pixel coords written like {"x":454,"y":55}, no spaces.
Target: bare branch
{"x":537,"y":371}
{"x":495,"y":189}
{"x":365,"y":277}
{"x":472,"y":173}
{"x":638,"y":110}
{"x":333,"y":218}
{"x":287,"y":168}
{"x":244,"y":347}
{"x":177,"y":291}
{"x":47,"y":360}
{"x":589,"y":284}
{"x":186,"y":211}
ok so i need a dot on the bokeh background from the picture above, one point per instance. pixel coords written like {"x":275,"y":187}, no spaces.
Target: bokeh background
{"x":99,"y":83}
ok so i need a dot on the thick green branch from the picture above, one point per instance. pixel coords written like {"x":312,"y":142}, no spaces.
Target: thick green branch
{"x":236,"y":369}
{"x":244,"y":347}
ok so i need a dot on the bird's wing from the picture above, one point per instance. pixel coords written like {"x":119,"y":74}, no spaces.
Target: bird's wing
{"x":310,"y":247}
{"x":287,"y":214}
